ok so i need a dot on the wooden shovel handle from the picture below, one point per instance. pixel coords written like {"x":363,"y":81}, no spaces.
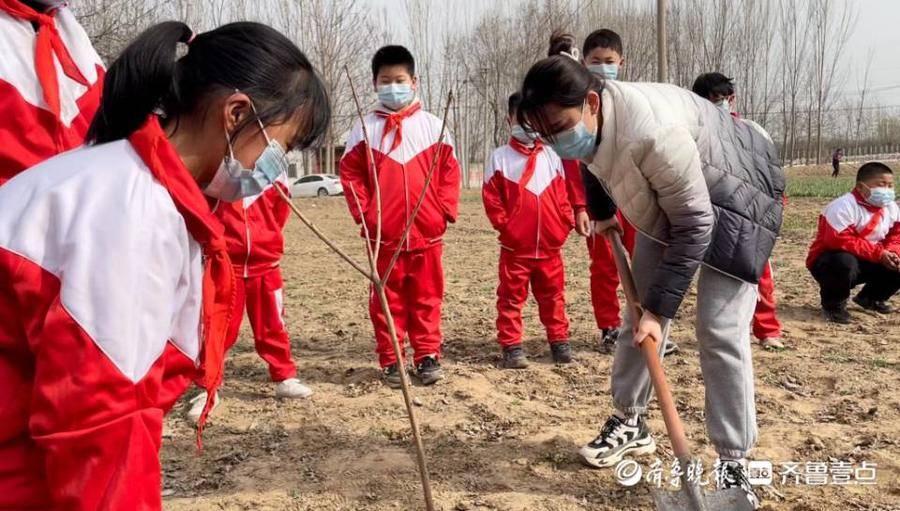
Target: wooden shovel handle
{"x":650,"y":350}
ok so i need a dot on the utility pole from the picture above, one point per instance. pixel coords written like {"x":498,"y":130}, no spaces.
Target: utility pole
{"x":662,"y":62}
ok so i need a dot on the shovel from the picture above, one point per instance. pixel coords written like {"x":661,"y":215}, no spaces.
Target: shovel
{"x":689,"y":497}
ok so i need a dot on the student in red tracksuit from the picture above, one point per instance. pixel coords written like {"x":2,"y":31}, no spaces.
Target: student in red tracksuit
{"x":48,"y":96}
{"x":405,"y":142}
{"x":253,"y":233}
{"x":719,"y":89}
{"x":116,"y":289}
{"x":602,"y":54}
{"x":858,"y":243}
{"x":526,"y":199}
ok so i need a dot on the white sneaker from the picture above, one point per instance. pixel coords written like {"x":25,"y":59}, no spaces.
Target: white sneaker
{"x":292,"y":389}
{"x":197,"y":404}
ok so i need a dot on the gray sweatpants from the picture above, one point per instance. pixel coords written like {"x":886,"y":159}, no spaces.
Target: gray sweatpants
{"x":725,"y":308}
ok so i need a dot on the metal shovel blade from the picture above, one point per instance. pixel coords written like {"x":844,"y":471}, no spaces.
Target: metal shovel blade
{"x":692,"y":498}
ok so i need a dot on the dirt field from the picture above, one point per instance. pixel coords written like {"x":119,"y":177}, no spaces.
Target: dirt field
{"x":507,"y":440}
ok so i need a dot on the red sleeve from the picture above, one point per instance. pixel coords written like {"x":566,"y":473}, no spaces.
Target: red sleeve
{"x":354,"y":171}
{"x":97,"y":433}
{"x":892,"y":240}
{"x":448,"y":183}
{"x":492,"y":194}
{"x":848,"y":241}
{"x":574,"y":185}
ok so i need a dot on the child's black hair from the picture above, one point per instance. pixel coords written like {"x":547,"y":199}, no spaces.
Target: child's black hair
{"x":557,"y":80}
{"x":603,"y":38}
{"x":512,"y":104}
{"x":561,"y":41}
{"x":393,"y":55}
{"x":250,"y":57}
{"x":709,"y":84}
{"x":872,"y":169}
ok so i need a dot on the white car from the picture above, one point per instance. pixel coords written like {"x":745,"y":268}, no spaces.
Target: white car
{"x":317,"y":185}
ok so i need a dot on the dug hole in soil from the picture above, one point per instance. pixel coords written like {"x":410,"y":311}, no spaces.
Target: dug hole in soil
{"x":507,"y":440}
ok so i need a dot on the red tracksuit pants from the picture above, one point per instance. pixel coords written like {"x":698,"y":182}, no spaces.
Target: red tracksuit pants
{"x":263,"y":297}
{"x":546,"y":276}
{"x":765,"y":321}
{"x":415,"y":293}
{"x":605,"y":278}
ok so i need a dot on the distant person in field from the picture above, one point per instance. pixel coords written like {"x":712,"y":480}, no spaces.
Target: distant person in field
{"x":660,"y":150}
{"x":836,"y":157}
{"x":602,"y":55}
{"x":50,"y":83}
{"x":858,"y":243}
{"x":719,"y":89}
{"x":526,"y":200}
{"x":404,"y":143}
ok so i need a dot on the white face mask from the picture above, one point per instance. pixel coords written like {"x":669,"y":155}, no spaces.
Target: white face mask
{"x":724,"y":106}
{"x":233,"y":182}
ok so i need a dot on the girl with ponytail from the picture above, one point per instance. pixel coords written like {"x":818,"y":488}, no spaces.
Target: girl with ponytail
{"x":705,"y":193}
{"x":116,"y":289}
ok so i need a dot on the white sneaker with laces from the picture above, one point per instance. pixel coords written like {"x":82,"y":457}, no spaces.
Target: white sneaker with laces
{"x":292,"y":389}
{"x":197,"y":404}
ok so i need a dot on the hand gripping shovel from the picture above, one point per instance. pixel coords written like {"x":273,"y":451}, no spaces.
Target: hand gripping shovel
{"x":689,"y":497}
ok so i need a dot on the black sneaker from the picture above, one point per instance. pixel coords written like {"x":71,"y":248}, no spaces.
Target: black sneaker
{"x":562,"y":352}
{"x":837,"y":314}
{"x":872,"y":305}
{"x":514,"y":357}
{"x":391,"y":376}
{"x":617,"y":439}
{"x":731,"y":475}
{"x":429,"y":370}
{"x":608,"y":338}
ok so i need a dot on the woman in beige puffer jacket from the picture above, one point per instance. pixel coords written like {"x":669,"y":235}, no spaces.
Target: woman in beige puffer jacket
{"x":705,"y":192}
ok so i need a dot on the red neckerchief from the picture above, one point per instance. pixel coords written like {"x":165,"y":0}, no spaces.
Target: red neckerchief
{"x":48,"y":44}
{"x":877,"y":215}
{"x":531,"y":151}
{"x":394,"y":121}
{"x":154,"y":148}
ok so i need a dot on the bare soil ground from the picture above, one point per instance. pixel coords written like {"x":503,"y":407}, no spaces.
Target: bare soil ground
{"x":507,"y":440}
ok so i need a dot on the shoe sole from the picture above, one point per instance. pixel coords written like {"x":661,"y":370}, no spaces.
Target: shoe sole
{"x":637,"y":450}
{"x":293,"y":396}
{"x":432,"y":378}
{"x":515,"y":365}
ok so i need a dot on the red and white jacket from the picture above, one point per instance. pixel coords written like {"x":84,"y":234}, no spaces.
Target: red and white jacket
{"x":254,"y":230}
{"x":405,"y":144}
{"x":526,"y":198}
{"x":850,"y":224}
{"x":50,"y":83}
{"x":114,"y":286}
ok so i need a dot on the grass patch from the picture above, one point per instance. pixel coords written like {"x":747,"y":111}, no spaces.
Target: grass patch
{"x":819,"y":186}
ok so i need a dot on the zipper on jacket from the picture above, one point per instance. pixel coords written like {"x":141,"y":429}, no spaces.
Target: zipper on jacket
{"x":537,"y":244}
{"x":249,"y":241}
{"x":406,"y":197}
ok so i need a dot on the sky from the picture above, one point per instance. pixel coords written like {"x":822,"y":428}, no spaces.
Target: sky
{"x":877,"y":32}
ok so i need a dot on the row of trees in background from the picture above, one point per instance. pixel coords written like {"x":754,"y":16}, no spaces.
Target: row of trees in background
{"x":788,"y":57}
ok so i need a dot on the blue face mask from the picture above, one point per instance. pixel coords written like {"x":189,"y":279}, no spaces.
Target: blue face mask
{"x":522,"y":135}
{"x":575,"y":143}
{"x":233,"y":182}
{"x":395,"y":95}
{"x":606,"y":71}
{"x":881,"y":196}
{"x":724,"y":106}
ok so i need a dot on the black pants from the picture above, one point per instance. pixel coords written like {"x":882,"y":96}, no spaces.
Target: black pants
{"x":837,"y":168}
{"x":839,"y":272}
